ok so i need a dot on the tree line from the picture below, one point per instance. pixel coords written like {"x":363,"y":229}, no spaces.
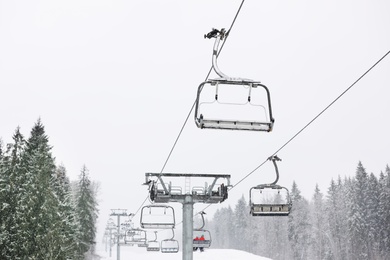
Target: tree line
{"x":350,"y":221}
{"x":43,"y":215}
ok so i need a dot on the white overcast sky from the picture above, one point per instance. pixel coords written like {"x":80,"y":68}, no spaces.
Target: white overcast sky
{"x":113,"y":82}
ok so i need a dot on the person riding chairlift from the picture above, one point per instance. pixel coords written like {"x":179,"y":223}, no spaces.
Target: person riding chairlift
{"x":201,"y":239}
{"x":196,"y":239}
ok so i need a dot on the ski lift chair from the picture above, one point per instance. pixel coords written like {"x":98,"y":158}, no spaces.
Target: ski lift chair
{"x":202,"y":237}
{"x":232,"y":103}
{"x":153,"y":245}
{"x":198,"y":233}
{"x":170,"y":245}
{"x":157,"y":217}
{"x":135,"y":236}
{"x":274,"y":206}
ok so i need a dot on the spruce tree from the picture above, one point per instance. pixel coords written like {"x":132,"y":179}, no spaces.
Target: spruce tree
{"x":373,"y":221}
{"x":320,"y":245}
{"x":10,"y":183}
{"x":384,"y":213}
{"x":66,"y":214}
{"x":299,"y":224}
{"x":358,"y":222}
{"x":240,"y":221}
{"x":86,"y":208}
{"x":39,"y":204}
{"x":336,"y":219}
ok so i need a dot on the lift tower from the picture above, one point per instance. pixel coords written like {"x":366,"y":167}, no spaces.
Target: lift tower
{"x":119,"y":213}
{"x":196,"y":190}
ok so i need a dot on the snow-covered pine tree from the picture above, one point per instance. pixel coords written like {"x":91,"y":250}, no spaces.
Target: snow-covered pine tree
{"x":10,"y":182}
{"x":222,"y":228}
{"x":66,"y":213}
{"x":38,"y":203}
{"x":240,"y":225}
{"x":358,"y":221}
{"x":299,"y":224}
{"x":320,"y":239}
{"x":384,"y":213}
{"x":1,"y":148}
{"x":86,"y":209}
{"x":336,"y":219}
{"x":373,"y":217}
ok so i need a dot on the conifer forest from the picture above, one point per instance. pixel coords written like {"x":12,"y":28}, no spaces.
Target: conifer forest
{"x":43,"y":215}
{"x":350,"y":221}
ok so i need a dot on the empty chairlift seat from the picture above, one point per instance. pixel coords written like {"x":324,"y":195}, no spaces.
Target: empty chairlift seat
{"x":136,"y":237}
{"x":270,"y":201}
{"x":169,"y":246}
{"x":234,"y":105}
{"x":157,"y":217}
{"x":153,"y":246}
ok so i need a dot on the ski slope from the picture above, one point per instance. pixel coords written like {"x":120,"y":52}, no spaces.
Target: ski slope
{"x":128,"y":253}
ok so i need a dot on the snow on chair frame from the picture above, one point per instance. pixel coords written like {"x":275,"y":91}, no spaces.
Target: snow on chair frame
{"x":170,"y":245}
{"x":276,"y":205}
{"x":136,"y":236}
{"x":157,"y":217}
{"x":221,"y":101}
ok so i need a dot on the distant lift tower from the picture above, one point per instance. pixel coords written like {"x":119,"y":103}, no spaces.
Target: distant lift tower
{"x":119,"y":213}
{"x":196,"y":190}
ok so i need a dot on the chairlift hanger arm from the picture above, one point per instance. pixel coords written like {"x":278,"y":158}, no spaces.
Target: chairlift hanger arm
{"x":173,"y":234}
{"x":273,"y":158}
{"x":219,"y":36}
{"x":203,"y":222}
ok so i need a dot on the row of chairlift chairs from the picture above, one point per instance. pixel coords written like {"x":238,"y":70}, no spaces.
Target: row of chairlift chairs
{"x":211,"y":95}
{"x":139,"y":237}
{"x":158,"y":216}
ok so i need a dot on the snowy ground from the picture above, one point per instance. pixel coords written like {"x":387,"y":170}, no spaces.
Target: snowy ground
{"x":128,"y":253}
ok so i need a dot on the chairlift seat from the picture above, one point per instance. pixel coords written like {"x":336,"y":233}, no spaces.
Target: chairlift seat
{"x":202,"y":243}
{"x":206,"y":243}
{"x":261,"y":120}
{"x":169,"y":246}
{"x":274,"y":207}
{"x":157,"y":217}
{"x":135,"y":237}
{"x":152,"y":247}
{"x":270,"y":209}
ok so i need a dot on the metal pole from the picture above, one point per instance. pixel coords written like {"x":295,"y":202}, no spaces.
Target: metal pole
{"x":188,"y":209}
{"x":118,"y":251}
{"x":110,"y":241}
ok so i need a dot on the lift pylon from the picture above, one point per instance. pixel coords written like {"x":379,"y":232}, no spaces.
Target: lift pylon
{"x":161,"y":190}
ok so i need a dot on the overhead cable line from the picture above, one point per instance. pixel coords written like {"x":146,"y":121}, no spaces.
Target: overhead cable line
{"x":208,"y":74}
{"x":315,"y":118}
{"x":307,"y":125}
{"x":193,"y":105}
